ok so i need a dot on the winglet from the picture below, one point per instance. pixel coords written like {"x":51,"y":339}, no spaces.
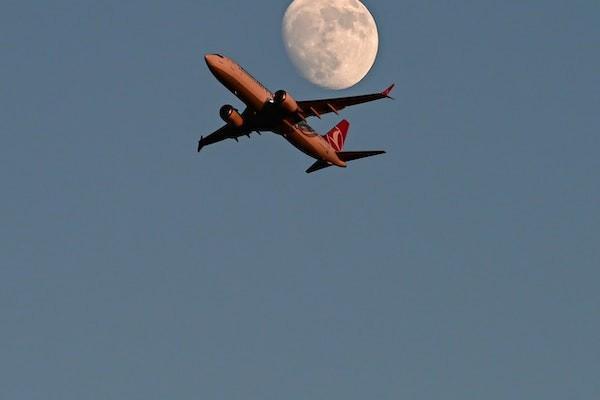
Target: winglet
{"x":200,"y":145}
{"x":387,"y":91}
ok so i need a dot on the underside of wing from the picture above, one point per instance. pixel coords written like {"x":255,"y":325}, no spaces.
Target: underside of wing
{"x":225,"y":132}
{"x":315,"y":108}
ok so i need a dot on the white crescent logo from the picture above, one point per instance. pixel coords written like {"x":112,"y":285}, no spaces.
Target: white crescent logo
{"x":336,"y":139}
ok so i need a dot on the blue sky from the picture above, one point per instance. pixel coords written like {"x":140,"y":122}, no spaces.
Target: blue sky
{"x":462,"y":264}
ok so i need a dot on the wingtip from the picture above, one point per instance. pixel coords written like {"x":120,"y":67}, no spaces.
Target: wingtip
{"x":200,"y":145}
{"x":387,"y":91}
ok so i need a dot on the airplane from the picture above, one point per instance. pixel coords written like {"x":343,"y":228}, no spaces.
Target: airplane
{"x":280,"y":113}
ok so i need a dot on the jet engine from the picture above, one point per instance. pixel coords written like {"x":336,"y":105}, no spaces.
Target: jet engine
{"x":231,"y":116}
{"x":285,"y":101}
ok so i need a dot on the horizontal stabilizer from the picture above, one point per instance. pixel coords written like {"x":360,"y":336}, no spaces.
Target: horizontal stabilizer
{"x":355,"y":155}
{"x":344,"y":156}
{"x":317,"y":166}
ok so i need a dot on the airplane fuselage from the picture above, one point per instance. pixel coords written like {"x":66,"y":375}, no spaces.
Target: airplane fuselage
{"x":259,"y":101}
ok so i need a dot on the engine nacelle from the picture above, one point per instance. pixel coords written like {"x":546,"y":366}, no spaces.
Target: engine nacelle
{"x":231,"y":116}
{"x":286,"y":102}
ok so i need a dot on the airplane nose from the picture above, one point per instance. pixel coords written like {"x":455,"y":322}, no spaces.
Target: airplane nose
{"x":216,"y":63}
{"x":213,"y":61}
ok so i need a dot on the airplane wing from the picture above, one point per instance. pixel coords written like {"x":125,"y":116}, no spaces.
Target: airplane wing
{"x":315,"y":108}
{"x":225,"y":132}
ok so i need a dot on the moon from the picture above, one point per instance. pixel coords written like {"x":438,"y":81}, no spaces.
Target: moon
{"x":332,"y":43}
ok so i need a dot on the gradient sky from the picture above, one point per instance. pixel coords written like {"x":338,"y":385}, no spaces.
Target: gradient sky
{"x":464,"y":264}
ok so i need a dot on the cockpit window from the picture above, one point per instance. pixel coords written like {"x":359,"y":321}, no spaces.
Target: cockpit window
{"x":219,"y":55}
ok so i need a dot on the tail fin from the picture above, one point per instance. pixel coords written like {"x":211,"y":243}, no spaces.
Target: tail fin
{"x":337,"y":136}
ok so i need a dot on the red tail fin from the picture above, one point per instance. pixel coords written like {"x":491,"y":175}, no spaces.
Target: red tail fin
{"x":337,"y":136}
